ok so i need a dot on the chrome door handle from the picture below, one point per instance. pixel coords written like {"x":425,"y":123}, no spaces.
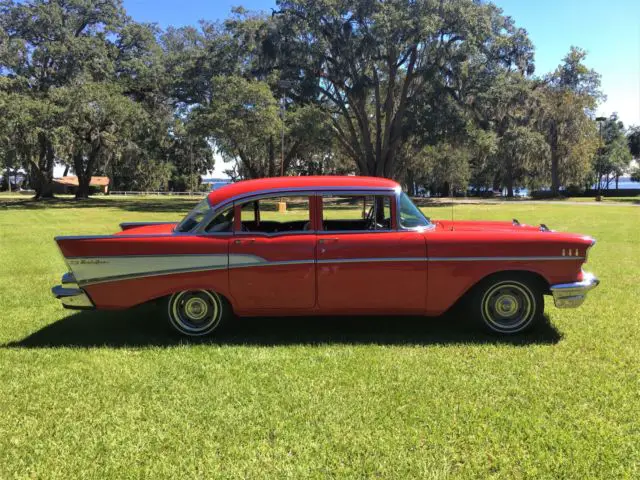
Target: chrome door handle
{"x":246,"y":242}
{"x":327,"y":240}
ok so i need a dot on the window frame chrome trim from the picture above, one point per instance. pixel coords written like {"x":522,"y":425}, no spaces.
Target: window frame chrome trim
{"x":300,"y":191}
{"x":392,"y":192}
{"x":275,"y":195}
{"x":207,"y":221}
{"x":429,"y":227}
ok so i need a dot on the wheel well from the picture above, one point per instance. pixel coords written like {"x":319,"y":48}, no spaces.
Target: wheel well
{"x":166,"y":297}
{"x":534,"y":277}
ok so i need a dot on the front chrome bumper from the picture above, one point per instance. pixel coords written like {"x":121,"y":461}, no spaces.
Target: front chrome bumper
{"x":71,"y":295}
{"x":571,"y":295}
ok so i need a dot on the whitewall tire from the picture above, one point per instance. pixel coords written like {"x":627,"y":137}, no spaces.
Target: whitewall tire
{"x":508,"y":304}
{"x":195,"y":313}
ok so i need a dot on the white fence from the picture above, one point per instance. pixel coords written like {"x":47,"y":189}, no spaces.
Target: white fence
{"x":187,"y":194}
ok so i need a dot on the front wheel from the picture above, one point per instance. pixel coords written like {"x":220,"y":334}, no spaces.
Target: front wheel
{"x":508,"y":304}
{"x":197,"y":312}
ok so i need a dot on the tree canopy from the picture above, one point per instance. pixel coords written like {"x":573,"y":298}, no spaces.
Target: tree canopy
{"x":438,"y":95}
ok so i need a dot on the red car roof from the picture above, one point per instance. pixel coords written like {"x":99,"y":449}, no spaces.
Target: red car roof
{"x":320,"y":182}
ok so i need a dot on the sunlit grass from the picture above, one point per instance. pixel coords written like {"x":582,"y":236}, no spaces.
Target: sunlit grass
{"x":113,"y":395}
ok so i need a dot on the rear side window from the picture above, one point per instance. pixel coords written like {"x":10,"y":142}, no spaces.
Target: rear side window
{"x":356,"y":212}
{"x":276,"y":215}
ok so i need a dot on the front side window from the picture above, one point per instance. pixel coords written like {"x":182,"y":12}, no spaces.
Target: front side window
{"x":221,"y":223}
{"x":410,"y":216}
{"x":276,"y":215}
{"x":193,"y":218}
{"x":356,"y":212}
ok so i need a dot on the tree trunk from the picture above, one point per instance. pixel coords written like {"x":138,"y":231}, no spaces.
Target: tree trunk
{"x":509,"y":180}
{"x":84,"y":173}
{"x":555,"y":161}
{"x":7,"y":178}
{"x":496,"y":185}
{"x":411,"y":184}
{"x":555,"y":178}
{"x":271,"y":168}
{"x":510,"y":187}
{"x":43,"y":169}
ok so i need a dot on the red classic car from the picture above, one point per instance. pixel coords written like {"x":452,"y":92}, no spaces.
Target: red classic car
{"x":324,"y":245}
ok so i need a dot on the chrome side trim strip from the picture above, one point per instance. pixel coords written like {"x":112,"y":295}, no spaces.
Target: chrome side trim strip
{"x":347,"y":232}
{"x":143,"y":224}
{"x":373,"y":260}
{"x":150,"y":255}
{"x":276,"y":263}
{"x":120,"y":235}
{"x":275,"y":234}
{"x":503,"y":259}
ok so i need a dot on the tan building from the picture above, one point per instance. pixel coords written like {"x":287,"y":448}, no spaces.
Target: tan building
{"x":69,"y":184}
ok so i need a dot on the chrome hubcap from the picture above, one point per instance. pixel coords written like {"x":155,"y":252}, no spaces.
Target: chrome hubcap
{"x":195,"y":312}
{"x":195,"y":308}
{"x":508,"y":306}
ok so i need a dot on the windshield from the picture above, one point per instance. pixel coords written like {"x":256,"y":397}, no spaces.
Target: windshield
{"x":410,"y":215}
{"x":191,"y":221}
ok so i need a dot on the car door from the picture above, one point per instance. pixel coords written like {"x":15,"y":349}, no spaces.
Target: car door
{"x":366,"y":265}
{"x":272,"y":255}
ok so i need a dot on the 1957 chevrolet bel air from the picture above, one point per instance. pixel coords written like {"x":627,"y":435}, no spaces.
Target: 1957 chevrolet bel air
{"x":324,"y":245}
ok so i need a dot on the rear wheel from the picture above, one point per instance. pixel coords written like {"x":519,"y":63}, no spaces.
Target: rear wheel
{"x":508,"y":304}
{"x":197,"y":312}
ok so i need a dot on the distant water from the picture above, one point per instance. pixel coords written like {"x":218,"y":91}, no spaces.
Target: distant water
{"x":624,"y":183}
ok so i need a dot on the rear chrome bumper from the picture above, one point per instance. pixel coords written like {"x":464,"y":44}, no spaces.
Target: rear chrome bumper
{"x":571,"y":295}
{"x":71,"y":295}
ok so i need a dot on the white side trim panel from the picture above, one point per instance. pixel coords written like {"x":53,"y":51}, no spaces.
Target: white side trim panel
{"x":88,"y":270}
{"x":100,"y":268}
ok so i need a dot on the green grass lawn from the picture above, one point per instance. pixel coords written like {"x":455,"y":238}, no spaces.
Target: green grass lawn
{"x":114,"y":395}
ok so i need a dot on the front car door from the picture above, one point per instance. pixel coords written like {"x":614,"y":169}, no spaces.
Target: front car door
{"x":366,"y":263}
{"x":272,"y":255}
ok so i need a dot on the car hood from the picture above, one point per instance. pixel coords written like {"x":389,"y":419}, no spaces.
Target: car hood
{"x":471,"y":226}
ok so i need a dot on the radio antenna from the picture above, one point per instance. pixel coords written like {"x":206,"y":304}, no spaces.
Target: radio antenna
{"x":452,"y":195}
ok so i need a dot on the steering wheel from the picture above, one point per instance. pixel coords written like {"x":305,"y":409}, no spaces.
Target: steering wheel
{"x":244,"y":228}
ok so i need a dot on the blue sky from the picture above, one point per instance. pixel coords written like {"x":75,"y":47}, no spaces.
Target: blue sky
{"x":609,"y":31}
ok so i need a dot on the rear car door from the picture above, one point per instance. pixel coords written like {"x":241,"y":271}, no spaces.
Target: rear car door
{"x":272,"y":254}
{"x":365,"y":264}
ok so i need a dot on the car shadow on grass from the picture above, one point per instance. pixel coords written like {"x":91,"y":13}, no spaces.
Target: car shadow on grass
{"x":146,"y":326}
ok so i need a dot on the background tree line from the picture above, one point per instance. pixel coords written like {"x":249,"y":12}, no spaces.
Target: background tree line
{"x":438,"y":94}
